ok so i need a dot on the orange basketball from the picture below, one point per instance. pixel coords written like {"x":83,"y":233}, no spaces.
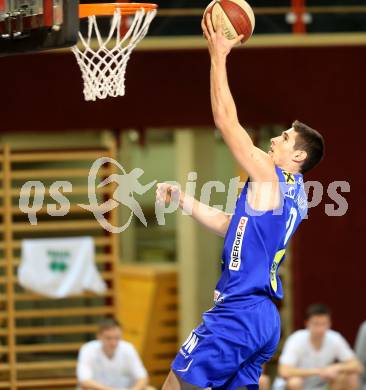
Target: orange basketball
{"x":237,"y":17}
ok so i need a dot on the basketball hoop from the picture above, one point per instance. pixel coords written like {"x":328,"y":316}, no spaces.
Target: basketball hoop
{"x":103,"y":69}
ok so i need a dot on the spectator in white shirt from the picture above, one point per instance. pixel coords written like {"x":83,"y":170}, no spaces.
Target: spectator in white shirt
{"x":360,"y":348}
{"x":110,"y":363}
{"x":317,"y":357}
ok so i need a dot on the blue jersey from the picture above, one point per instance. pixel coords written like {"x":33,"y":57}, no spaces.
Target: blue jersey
{"x":241,"y":332}
{"x":255,"y":244}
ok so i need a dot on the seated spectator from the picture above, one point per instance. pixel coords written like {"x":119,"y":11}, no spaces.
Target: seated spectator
{"x":109,"y":363}
{"x":317,"y":357}
{"x":360,"y":348}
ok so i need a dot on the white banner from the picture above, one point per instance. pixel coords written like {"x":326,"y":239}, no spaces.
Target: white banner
{"x":59,"y":267}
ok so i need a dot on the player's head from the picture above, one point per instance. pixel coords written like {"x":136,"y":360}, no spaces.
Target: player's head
{"x":109,"y":333}
{"x":318,"y":319}
{"x":299,"y":148}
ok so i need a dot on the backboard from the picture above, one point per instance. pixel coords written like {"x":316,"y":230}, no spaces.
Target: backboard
{"x":35,"y":25}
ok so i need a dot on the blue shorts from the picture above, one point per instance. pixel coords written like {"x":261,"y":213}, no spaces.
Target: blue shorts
{"x":229,"y":347}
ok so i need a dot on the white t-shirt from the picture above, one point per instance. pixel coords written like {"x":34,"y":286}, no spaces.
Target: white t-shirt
{"x":299,"y":352}
{"x":121,"y":371}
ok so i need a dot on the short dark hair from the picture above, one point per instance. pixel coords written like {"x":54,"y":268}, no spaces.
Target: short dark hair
{"x":311,"y":141}
{"x":108,"y":323}
{"x":317,"y":309}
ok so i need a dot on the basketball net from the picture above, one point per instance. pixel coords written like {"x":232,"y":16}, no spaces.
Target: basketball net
{"x":103,"y":69}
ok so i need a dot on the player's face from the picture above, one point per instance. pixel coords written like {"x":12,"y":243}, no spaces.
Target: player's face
{"x":110,"y":338}
{"x":318,"y":325}
{"x":282,"y":148}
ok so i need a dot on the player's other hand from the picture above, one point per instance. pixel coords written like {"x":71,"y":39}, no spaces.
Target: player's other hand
{"x":218,"y":44}
{"x":330,"y":372}
{"x":166,"y":192}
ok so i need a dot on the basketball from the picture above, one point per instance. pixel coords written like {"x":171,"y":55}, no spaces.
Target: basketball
{"x":237,"y":17}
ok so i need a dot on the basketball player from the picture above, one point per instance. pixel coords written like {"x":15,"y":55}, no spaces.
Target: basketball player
{"x":242,"y":330}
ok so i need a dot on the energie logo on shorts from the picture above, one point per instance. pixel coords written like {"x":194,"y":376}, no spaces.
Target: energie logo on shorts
{"x":238,"y":242}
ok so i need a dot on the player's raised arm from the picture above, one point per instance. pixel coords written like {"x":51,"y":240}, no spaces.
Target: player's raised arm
{"x":255,"y":162}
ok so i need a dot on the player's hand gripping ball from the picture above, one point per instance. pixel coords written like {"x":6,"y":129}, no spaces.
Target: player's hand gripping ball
{"x":236,"y":18}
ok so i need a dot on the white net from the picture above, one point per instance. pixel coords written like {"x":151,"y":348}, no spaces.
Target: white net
{"x":103,"y":69}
